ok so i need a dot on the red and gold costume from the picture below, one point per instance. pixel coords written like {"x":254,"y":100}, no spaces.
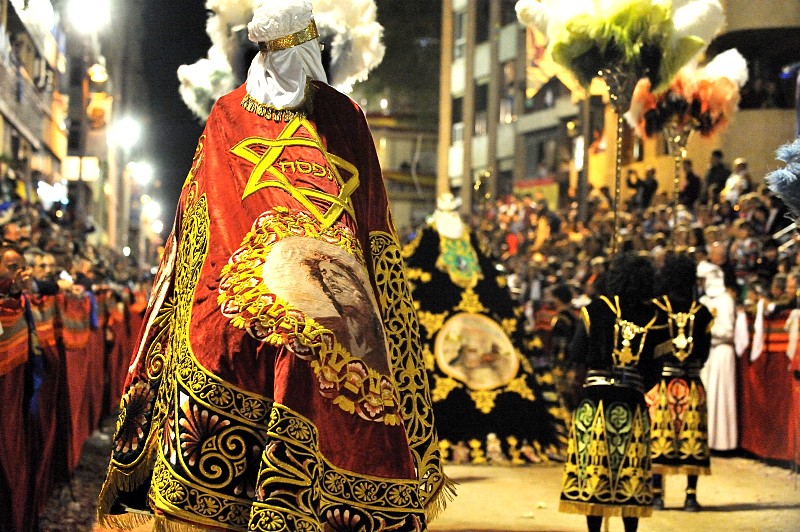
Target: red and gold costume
{"x":278,"y":382}
{"x":677,"y":404}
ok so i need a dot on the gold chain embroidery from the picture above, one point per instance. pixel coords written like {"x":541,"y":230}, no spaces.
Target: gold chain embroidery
{"x":681,"y":328}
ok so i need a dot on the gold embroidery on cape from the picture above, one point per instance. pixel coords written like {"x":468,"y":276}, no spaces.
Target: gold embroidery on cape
{"x":432,"y":322}
{"x":679,"y":430}
{"x":247,"y":300}
{"x":197,"y":161}
{"x":443,"y":387}
{"x":521,"y":388}
{"x":270,"y":112}
{"x":267,"y":170}
{"x":298,"y":482}
{"x":410,"y":376}
{"x":418,"y":274}
{"x":208,"y":436}
{"x":509,"y":325}
{"x":470,"y":303}
{"x":412,"y":246}
{"x":607,"y":467}
{"x":484,"y":399}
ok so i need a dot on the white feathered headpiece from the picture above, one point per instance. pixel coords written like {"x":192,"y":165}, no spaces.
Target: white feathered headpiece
{"x":348,"y":27}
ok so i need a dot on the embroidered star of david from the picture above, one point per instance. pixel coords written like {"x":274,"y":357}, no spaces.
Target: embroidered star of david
{"x":266,"y":173}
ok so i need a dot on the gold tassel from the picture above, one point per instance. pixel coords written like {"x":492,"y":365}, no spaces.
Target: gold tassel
{"x":438,"y":501}
{"x":118,"y":481}
{"x":127,"y":521}
{"x":605,"y":510}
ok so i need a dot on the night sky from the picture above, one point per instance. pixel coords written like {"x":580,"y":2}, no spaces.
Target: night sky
{"x":176,"y":33}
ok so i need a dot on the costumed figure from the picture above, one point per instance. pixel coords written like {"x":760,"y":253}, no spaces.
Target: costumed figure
{"x":278,"y":382}
{"x":607,"y":472}
{"x":786,"y":183}
{"x":719,"y":373}
{"x":562,"y":329}
{"x":678,"y":413}
{"x":474,"y":342}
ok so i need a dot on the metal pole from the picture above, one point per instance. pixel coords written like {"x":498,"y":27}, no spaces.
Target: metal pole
{"x":583,"y":175}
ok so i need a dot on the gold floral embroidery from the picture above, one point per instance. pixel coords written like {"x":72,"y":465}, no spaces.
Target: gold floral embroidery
{"x":470,"y":303}
{"x":509,"y":325}
{"x":408,"y":367}
{"x":418,"y":274}
{"x":412,"y":246}
{"x":521,"y":388}
{"x":297,"y":482}
{"x":247,"y":300}
{"x":608,"y":460}
{"x":679,"y":430}
{"x":444,"y":385}
{"x":211,"y":438}
{"x":432,"y":322}
{"x":484,"y":399}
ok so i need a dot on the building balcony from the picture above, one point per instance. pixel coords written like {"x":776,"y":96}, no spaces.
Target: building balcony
{"x":21,"y":104}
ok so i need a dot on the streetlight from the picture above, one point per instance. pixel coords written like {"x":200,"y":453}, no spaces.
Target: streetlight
{"x":126,"y":133}
{"x":141,"y":172}
{"x":150,"y":209}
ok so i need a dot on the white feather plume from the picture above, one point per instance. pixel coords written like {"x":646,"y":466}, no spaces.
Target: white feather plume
{"x":533,"y":13}
{"x":698,"y":18}
{"x":729,"y":64}
{"x":201,"y":83}
{"x":356,"y":46}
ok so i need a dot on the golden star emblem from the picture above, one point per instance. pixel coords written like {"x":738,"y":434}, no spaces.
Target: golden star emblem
{"x":265,"y":168}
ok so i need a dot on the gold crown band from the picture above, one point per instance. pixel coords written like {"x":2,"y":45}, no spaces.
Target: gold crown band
{"x":309,"y":33}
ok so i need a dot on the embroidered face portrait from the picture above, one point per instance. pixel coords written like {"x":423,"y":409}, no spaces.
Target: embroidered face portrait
{"x":330,"y":286}
{"x":475,"y":350}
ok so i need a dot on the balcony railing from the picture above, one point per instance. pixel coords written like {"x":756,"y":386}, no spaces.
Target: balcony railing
{"x":21,"y":103}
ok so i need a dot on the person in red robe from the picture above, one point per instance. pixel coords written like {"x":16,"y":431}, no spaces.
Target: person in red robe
{"x":278,"y":382}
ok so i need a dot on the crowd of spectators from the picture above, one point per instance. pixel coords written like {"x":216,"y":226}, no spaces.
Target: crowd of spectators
{"x":57,"y":254}
{"x":542,"y":248}
{"x":69,"y":313}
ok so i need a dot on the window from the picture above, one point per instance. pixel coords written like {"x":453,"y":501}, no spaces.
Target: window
{"x":459,"y":34}
{"x":481,"y":103}
{"x":482,"y":18}
{"x":508,"y":12}
{"x":540,"y":153}
{"x":507,"y":92}
{"x":458,"y":119}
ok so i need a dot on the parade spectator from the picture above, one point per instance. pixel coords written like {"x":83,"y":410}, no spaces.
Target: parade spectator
{"x":716,"y":176}
{"x":644,"y":189}
{"x":738,"y":182}
{"x":690,"y":190}
{"x":42,"y":266}
{"x":719,"y":372}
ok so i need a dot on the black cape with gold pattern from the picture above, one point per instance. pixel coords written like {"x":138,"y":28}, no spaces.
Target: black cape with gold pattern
{"x":490,"y":405}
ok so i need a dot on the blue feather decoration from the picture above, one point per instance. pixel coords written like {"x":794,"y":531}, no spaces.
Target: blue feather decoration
{"x":785,"y":182}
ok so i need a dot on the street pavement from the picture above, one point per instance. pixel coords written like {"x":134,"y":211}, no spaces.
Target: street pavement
{"x":740,"y":495}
